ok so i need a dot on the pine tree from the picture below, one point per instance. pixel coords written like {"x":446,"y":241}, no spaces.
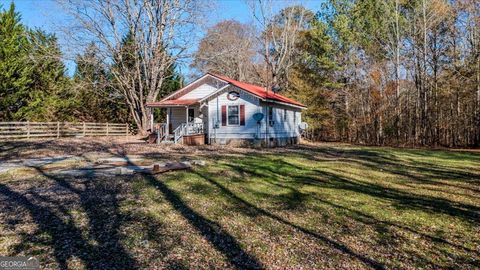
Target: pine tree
{"x":312,"y":81}
{"x":14,"y":70}
{"x":96,"y":97}
{"x":48,"y":97}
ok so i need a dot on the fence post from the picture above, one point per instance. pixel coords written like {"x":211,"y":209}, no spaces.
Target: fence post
{"x":107,"y":128}
{"x":84,"y":127}
{"x":28,"y":129}
{"x":126,"y":130}
{"x":58,"y":129}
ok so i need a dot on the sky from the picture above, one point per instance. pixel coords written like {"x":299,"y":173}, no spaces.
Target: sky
{"x":49,"y":16}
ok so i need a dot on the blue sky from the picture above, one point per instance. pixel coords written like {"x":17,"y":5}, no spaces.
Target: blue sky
{"x":47,"y":15}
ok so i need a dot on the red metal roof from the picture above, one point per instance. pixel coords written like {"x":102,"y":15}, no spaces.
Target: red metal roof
{"x":173,"y":102}
{"x":259,"y":91}
{"x":251,"y":88}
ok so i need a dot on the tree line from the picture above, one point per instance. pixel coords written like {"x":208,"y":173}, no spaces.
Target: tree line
{"x":395,"y":72}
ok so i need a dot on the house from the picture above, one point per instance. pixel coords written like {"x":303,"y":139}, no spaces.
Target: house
{"x":216,"y":109}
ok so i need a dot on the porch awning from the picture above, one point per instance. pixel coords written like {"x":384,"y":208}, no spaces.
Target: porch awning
{"x":173,"y":103}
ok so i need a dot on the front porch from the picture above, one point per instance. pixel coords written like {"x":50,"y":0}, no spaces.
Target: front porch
{"x":184,"y":123}
{"x":186,"y":133}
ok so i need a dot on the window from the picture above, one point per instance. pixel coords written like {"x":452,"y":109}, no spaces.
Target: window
{"x":270,"y":116}
{"x":191,"y":114}
{"x":233,"y":115}
{"x":284,"y":114}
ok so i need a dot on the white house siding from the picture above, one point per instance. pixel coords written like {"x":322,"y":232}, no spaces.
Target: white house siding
{"x":281,"y":128}
{"x":251,"y":130}
{"x":248,"y":131}
{"x":202,"y":91}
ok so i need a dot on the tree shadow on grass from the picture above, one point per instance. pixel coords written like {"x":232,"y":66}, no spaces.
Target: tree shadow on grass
{"x":97,"y":199}
{"x":281,"y":169}
{"x":100,"y":204}
{"x":404,"y":199}
{"x":339,"y":246}
{"x":281,"y":174}
{"x":413,"y":170}
{"x":66,"y":239}
{"x":371,"y":220}
{"x":210,"y":230}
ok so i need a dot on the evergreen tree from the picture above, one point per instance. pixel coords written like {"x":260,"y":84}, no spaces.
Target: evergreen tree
{"x":14,"y":70}
{"x":312,"y":80}
{"x":48,"y":97}
{"x":96,"y":98}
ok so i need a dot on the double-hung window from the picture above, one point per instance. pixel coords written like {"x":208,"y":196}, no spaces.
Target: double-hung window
{"x":233,"y":115}
{"x":270,"y":116}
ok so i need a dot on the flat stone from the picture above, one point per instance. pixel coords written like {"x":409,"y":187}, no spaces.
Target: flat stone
{"x":5,"y":167}
{"x":119,"y":159}
{"x":186,"y":163}
{"x":123,"y":171}
{"x":199,"y":162}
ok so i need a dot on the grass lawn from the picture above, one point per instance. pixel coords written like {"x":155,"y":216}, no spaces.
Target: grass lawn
{"x":305,"y":207}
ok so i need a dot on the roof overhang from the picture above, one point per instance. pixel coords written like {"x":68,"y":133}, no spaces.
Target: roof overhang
{"x":172,"y":103}
{"x":286,"y":104}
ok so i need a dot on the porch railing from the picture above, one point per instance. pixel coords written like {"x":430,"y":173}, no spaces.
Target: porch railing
{"x":182,"y":130}
{"x":178,"y":133}
{"x":194,"y":128}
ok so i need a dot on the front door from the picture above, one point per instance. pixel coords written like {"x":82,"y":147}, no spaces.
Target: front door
{"x":191,"y":115}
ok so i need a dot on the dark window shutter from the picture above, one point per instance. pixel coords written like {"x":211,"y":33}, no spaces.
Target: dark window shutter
{"x":224,"y":115}
{"x":242,"y":115}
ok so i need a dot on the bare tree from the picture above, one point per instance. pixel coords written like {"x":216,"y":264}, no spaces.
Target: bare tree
{"x":141,"y":40}
{"x":228,"y":48}
{"x":278,"y":36}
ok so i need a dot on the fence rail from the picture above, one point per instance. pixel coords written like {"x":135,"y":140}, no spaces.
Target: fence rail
{"x":27,"y":130}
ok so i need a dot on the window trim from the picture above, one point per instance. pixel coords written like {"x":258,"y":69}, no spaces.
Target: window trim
{"x":238,"y":115}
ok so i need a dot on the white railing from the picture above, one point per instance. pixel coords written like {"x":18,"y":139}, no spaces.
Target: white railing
{"x":179,"y":132}
{"x":194,"y":128}
{"x":182,"y":130}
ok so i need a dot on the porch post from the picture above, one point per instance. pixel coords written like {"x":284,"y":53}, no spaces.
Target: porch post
{"x":151,"y":118}
{"x":186,"y":119}
{"x":167,"y":128}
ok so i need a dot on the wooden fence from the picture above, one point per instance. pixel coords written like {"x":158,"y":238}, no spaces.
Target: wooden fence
{"x":27,"y":130}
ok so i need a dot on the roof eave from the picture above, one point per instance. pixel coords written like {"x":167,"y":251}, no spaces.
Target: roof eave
{"x":170,"y":105}
{"x":303,"y":107}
